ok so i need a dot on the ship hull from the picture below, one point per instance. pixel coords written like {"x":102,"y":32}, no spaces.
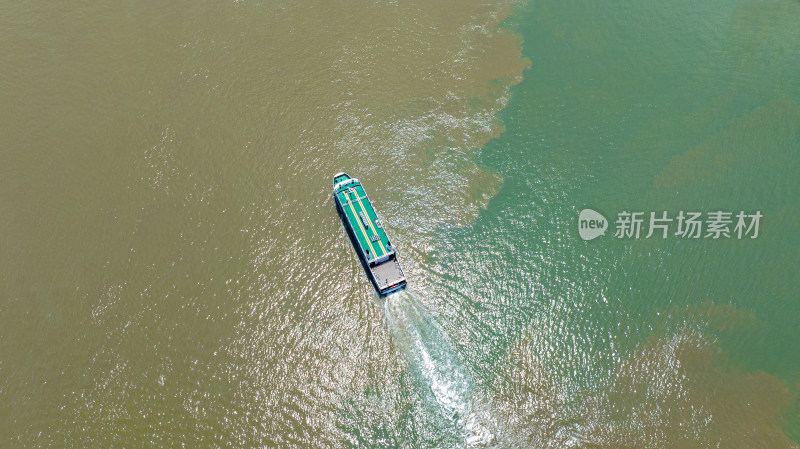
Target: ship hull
{"x":372,"y":246}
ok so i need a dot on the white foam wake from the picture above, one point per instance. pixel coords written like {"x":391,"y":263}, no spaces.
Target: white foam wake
{"x":443,"y":382}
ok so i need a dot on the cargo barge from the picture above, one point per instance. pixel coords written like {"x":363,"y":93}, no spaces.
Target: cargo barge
{"x":367,"y":235}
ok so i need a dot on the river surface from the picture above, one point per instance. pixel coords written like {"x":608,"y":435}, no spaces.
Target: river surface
{"x":173,"y":272}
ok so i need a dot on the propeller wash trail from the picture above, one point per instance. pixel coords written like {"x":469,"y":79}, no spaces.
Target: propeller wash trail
{"x":445,"y":386}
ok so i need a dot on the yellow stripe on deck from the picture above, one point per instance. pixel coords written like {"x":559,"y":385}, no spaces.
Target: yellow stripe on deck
{"x":370,"y":224}
{"x":355,"y":215}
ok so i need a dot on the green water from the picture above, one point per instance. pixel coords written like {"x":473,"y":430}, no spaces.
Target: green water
{"x":173,"y":271}
{"x":640,"y":343}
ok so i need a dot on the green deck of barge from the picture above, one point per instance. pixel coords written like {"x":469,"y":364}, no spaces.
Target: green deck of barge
{"x":354,"y":201}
